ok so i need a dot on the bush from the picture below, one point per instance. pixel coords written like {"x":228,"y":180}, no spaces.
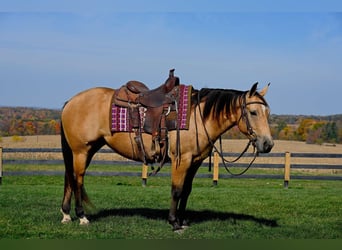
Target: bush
{"x":17,"y":138}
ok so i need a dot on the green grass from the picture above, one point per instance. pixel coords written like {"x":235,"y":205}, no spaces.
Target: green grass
{"x":235,"y":209}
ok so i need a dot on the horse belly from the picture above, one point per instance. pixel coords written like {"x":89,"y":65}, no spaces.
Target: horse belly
{"x":124,"y":144}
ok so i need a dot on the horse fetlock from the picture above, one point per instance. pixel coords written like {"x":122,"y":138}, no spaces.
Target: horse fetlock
{"x":66,"y":218}
{"x":177,"y":225}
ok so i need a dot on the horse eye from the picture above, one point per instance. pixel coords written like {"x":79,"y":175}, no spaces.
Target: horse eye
{"x":254,"y":113}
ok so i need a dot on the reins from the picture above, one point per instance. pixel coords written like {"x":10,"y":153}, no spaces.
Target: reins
{"x":249,"y":130}
{"x":224,"y":160}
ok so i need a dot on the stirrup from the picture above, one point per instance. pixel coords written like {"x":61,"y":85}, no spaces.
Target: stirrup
{"x":155,"y":149}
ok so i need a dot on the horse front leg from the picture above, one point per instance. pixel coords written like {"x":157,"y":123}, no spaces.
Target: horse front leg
{"x":179,"y":200}
{"x":187,"y":187}
{"x":180,"y":190}
{"x":182,"y":178}
{"x":175,"y":197}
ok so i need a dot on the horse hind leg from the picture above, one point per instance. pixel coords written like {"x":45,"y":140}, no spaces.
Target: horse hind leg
{"x":68,"y":178}
{"x":76,"y":165}
{"x":66,"y":203}
{"x":80,"y":164}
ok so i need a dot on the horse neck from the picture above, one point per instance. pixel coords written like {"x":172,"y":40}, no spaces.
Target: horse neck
{"x":215,"y":127}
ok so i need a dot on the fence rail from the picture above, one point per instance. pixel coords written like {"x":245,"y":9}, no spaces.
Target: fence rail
{"x":215,"y":175}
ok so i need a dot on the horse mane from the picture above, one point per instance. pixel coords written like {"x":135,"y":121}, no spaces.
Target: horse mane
{"x":219,"y":100}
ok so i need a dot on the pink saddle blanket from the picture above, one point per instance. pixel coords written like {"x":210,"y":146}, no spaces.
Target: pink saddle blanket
{"x":121,"y":120}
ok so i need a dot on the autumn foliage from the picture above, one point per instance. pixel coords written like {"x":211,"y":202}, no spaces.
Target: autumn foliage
{"x":29,"y":121}
{"x":311,"y":129}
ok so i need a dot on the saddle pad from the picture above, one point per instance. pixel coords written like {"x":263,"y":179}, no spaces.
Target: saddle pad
{"x":121,"y":120}
{"x":184,"y":106}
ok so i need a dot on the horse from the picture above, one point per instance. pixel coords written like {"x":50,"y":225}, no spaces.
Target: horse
{"x":85,"y":129}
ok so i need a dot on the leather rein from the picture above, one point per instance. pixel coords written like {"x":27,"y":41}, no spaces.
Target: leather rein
{"x":250,"y":131}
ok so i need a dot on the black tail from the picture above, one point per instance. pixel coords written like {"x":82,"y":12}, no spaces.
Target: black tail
{"x":67,"y":153}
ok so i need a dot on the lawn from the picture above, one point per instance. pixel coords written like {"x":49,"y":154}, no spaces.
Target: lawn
{"x":235,"y":209}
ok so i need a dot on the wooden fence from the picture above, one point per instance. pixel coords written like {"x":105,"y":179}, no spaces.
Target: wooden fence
{"x":285,"y":164}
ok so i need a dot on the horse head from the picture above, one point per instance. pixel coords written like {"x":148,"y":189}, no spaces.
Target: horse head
{"x":253,"y":121}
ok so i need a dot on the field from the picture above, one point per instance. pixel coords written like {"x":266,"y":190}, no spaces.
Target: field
{"x":235,"y":209}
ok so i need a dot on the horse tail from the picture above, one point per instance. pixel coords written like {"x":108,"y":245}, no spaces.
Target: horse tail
{"x":67,"y":153}
{"x":69,"y":181}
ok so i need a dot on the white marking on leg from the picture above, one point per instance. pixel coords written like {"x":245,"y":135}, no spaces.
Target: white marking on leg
{"x":84,"y":221}
{"x":66,"y":217}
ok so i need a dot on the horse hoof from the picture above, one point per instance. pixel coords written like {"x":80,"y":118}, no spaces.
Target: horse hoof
{"x":66,"y":218}
{"x":179,"y":231}
{"x":84,"y":221}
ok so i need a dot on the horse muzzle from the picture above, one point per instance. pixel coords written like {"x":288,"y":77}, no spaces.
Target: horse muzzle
{"x":263,"y":144}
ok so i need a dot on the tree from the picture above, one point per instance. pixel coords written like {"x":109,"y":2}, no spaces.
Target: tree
{"x":303,"y":128}
{"x":330,"y":132}
{"x":30,"y":128}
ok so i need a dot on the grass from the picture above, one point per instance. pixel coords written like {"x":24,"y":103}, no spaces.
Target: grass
{"x":235,"y":209}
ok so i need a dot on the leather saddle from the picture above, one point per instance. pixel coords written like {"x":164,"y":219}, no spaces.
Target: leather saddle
{"x":135,"y":92}
{"x":157,"y":104}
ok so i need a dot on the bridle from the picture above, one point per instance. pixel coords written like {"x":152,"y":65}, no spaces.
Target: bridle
{"x":244,"y":116}
{"x":250,"y":132}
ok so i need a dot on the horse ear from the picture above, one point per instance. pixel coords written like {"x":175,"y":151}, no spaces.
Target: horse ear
{"x":253,"y":89}
{"x":264,"y":90}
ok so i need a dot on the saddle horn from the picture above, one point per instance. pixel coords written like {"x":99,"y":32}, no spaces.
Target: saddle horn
{"x":172,"y":81}
{"x":171,"y":74}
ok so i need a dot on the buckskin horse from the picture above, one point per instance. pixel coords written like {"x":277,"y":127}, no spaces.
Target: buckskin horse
{"x":86,"y":128}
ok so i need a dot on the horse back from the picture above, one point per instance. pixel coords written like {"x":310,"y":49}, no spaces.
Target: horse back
{"x":87,"y":114}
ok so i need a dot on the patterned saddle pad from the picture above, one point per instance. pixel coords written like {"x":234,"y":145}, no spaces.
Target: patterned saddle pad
{"x":121,"y":120}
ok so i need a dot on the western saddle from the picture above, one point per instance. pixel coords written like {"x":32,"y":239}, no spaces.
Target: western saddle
{"x":157,"y":104}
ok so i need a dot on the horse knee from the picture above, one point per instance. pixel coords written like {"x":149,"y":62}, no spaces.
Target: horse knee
{"x":176,"y":192}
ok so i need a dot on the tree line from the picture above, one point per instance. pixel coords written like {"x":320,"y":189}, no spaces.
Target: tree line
{"x":21,"y":121}
{"x":311,"y":129}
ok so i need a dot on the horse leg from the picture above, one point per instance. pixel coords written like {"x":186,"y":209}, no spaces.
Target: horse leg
{"x":184,"y":199}
{"x":187,"y":187}
{"x":180,"y":190}
{"x":68,"y":178}
{"x":175,"y":197}
{"x":66,"y":203}
{"x":80,"y":163}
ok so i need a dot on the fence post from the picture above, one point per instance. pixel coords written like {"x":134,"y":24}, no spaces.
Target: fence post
{"x":0,"y":165}
{"x":287,"y":169}
{"x":144,"y":174}
{"x":216,"y":168}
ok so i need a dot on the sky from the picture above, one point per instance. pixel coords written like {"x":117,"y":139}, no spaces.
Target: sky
{"x":50,"y":52}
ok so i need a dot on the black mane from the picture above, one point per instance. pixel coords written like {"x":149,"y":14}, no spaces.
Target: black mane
{"x":217,"y":100}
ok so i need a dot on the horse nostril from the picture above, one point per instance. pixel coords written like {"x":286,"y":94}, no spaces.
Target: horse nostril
{"x":268,"y":145}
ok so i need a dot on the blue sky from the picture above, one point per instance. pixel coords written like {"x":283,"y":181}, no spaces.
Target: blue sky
{"x":49,"y":54}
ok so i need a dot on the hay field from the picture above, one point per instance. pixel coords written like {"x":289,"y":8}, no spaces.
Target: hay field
{"x":53,"y":141}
